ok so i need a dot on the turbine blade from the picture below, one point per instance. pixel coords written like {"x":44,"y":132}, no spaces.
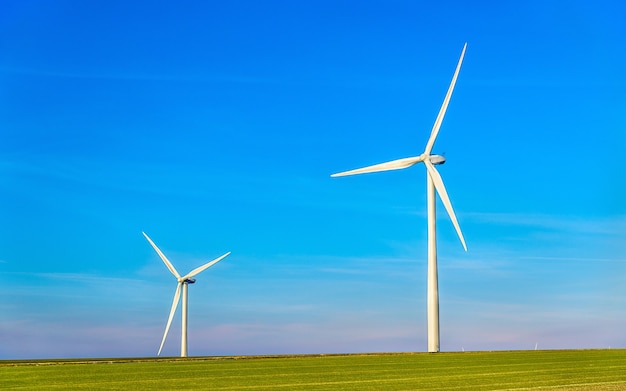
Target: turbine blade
{"x":392,"y":165}
{"x":169,"y":320}
{"x":444,"y":106}
{"x":163,"y":257}
{"x":205,"y":266}
{"x":443,"y":194}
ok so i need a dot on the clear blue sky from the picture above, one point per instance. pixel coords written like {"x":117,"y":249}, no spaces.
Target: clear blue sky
{"x":215,"y":126}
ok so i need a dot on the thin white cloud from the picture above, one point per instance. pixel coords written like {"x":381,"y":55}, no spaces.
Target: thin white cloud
{"x":597,"y":225}
{"x":79,"y":277}
{"x":574,"y":259}
{"x":143,"y":76}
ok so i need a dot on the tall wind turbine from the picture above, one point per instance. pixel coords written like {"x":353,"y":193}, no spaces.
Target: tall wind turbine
{"x":433,"y":181}
{"x":183,"y":282}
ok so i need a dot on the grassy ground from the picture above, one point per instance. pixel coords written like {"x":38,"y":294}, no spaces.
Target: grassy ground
{"x":528,"y":370}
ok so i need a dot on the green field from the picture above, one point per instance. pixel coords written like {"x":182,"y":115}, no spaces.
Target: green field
{"x":517,"y":370}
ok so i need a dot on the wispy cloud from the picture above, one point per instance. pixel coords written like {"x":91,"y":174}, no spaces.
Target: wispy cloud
{"x":575,"y":259}
{"x":78,"y":277}
{"x":72,"y":171}
{"x":592,"y":225}
{"x":143,"y":76}
{"x":107,"y":338}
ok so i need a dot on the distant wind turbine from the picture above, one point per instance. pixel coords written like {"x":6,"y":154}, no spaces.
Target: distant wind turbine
{"x":434,"y":181}
{"x":183,"y":282}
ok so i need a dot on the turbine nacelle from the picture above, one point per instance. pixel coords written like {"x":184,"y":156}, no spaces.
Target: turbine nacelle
{"x":188,"y":281}
{"x":437,"y":159}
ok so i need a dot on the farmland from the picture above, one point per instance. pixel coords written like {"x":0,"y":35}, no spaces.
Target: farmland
{"x":514,"y":370}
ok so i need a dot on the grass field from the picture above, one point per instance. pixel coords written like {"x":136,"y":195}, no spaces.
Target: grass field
{"x":516,"y":370}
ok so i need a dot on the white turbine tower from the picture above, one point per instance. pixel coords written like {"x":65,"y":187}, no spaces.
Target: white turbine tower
{"x":434,"y":181}
{"x":183,"y":282}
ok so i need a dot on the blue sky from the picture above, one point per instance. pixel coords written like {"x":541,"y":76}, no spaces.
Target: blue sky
{"x":215,"y":126}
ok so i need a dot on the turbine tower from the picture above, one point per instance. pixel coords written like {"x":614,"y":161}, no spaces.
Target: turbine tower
{"x":183,"y":283}
{"x":433,"y":181}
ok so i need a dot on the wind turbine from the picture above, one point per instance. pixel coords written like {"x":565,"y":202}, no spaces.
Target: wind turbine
{"x":433,"y":181}
{"x":183,"y":283}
